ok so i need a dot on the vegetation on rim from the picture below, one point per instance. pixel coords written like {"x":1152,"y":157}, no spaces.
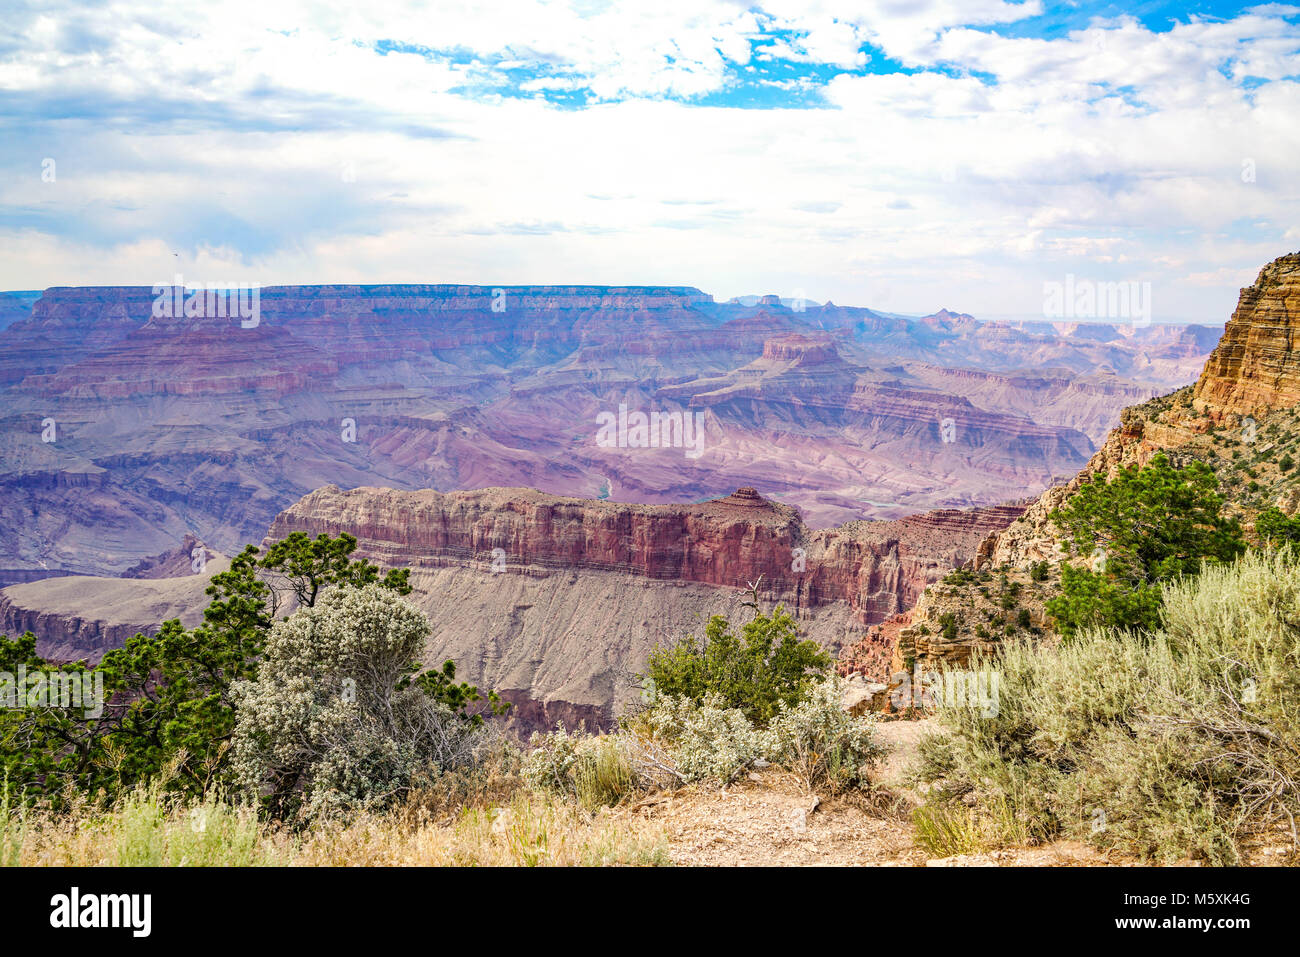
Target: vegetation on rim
{"x":1162,"y":724}
{"x":1177,"y":742}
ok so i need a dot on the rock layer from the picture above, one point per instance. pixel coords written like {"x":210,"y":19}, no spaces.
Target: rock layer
{"x":874,"y":567}
{"x":557,"y":601}
{"x":124,"y":429}
{"x":1253,"y":372}
{"x":1256,"y":366}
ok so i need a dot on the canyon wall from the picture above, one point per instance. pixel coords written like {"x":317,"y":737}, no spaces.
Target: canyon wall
{"x":874,"y":567}
{"x":559,"y":601}
{"x":554,"y":601}
{"x":124,"y":428}
{"x":1245,"y":404}
{"x":1255,"y":367}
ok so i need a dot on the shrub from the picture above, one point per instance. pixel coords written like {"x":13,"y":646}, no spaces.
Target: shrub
{"x":822,"y":742}
{"x":1183,"y":742}
{"x":1274,"y":527}
{"x":754,"y":672}
{"x":680,"y":741}
{"x":169,"y":694}
{"x":330,"y":726}
{"x":960,"y":576}
{"x":706,"y":740}
{"x":594,"y":770}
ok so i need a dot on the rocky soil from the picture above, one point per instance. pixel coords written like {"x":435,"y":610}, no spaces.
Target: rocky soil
{"x":770,"y":819}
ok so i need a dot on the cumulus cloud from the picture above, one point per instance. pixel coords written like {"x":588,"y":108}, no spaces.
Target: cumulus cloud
{"x":885,"y":153}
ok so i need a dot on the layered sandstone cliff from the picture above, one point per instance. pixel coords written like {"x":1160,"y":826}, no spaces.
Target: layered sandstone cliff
{"x":1256,"y":367}
{"x":556,"y":601}
{"x":875,"y":568}
{"x":1241,"y":417}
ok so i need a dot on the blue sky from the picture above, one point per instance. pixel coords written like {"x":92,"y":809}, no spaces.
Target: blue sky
{"x":905,"y":155}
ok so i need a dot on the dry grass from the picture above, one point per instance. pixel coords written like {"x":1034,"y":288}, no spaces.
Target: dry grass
{"x":530,"y":831}
{"x":147,"y":829}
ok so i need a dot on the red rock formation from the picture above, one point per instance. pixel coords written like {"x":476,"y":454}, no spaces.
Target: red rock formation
{"x":872,"y":656}
{"x":170,"y":425}
{"x":1256,"y":366}
{"x":875,"y":567}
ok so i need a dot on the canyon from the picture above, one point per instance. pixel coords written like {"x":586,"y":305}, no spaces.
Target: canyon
{"x":847,"y":460}
{"x":554,"y":601}
{"x":1241,"y":417}
{"x":123,"y":431}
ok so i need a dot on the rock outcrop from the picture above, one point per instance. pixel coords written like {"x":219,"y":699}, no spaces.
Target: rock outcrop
{"x":190,"y":557}
{"x":1243,"y":410}
{"x":80,"y":617}
{"x":1256,"y":366}
{"x":875,"y":568}
{"x":556,"y":601}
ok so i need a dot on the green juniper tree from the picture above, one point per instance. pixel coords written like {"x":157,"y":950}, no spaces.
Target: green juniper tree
{"x":1144,"y":527}
{"x":168,"y":696}
{"x":755,"y":671}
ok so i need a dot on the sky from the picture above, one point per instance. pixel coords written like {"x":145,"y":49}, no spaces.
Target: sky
{"x":901,"y":154}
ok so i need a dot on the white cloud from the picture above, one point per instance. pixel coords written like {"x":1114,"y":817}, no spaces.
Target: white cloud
{"x":273,"y":140}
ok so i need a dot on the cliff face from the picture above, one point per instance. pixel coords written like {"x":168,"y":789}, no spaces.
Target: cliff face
{"x":125,"y":429}
{"x":873,"y":567}
{"x":555,"y":601}
{"x":1242,"y":413}
{"x":80,"y":617}
{"x":1255,"y":367}
{"x":710,"y":543}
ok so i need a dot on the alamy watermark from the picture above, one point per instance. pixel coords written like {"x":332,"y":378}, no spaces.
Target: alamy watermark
{"x":215,"y":300}
{"x":53,"y":689}
{"x":658,"y":430}
{"x":932,"y":690}
{"x":1085,"y":299}
{"x":76,"y":909}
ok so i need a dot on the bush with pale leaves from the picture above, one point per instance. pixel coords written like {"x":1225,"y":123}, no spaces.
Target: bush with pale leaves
{"x":324,"y":730}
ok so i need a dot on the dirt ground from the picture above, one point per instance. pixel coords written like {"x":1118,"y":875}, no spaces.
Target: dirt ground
{"x":769,"y":819}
